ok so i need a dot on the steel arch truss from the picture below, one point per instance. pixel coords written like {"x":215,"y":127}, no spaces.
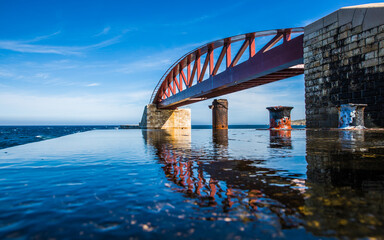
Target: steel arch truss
{"x":184,"y":83}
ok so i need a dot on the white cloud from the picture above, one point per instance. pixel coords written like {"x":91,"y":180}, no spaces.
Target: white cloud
{"x":42,"y":75}
{"x":213,"y":14}
{"x":161,"y":60}
{"x":27,"y":47}
{"x":36,"y":39}
{"x":6,"y":73}
{"x":93,"y":85}
{"x":104,"y":31}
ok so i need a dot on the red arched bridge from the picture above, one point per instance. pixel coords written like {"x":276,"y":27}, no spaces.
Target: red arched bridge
{"x":187,"y":80}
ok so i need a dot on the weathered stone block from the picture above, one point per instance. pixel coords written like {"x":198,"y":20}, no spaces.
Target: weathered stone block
{"x":370,"y":55}
{"x":369,"y":40}
{"x":370,"y":63}
{"x":369,"y":48}
{"x":353,"y":45}
{"x":380,"y":36}
{"x":356,"y":30}
{"x":342,"y":35}
{"x":381,"y":44}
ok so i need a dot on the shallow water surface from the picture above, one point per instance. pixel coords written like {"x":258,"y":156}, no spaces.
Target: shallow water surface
{"x":240,"y":184}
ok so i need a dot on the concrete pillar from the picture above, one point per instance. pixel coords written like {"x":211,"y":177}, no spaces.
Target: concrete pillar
{"x":351,"y":116}
{"x":219,"y":114}
{"x":280,"y":117}
{"x":344,"y":63}
{"x":154,"y":118}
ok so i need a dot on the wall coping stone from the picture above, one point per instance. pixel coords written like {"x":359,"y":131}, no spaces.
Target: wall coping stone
{"x":367,"y":15}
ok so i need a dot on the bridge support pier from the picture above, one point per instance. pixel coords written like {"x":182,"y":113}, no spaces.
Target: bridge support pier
{"x":219,"y":114}
{"x":344,"y":63}
{"x":279,"y":117}
{"x":351,"y":116}
{"x":154,"y":118}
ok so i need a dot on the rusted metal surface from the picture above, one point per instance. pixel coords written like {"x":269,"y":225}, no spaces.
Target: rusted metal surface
{"x":219,"y":114}
{"x":351,"y":116}
{"x":280,"y":117}
{"x":184,"y":83}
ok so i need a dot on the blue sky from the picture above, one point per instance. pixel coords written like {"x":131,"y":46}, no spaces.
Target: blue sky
{"x":97,"y":61}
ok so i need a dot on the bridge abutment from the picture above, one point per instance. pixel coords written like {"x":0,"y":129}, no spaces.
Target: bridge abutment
{"x":154,"y":118}
{"x":344,"y":63}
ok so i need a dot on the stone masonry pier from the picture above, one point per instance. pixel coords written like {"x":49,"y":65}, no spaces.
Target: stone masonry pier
{"x":344,"y":63}
{"x":154,"y":118}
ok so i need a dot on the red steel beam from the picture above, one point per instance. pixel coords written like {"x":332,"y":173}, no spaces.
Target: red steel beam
{"x":171,"y":86}
{"x":182,"y":75}
{"x":220,"y":59}
{"x":188,"y":71}
{"x":175,"y":81}
{"x":252,"y":45}
{"x":240,"y":53}
{"x":207,"y":60}
{"x":271,"y":43}
{"x":196,"y":68}
{"x":211,"y":64}
{"x":287,"y":36}
{"x":228,"y":54}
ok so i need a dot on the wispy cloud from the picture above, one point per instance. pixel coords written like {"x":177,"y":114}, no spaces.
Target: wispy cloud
{"x":93,"y":85}
{"x":5,"y":73}
{"x":158,"y":61}
{"x":214,"y":14}
{"x":144,"y":65}
{"x":104,"y":31}
{"x":42,"y":75}
{"x":39,"y":38}
{"x":8,"y":74}
{"x":28,"y":47}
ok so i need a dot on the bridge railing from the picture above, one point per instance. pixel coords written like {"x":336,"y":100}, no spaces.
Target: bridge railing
{"x":175,"y":79}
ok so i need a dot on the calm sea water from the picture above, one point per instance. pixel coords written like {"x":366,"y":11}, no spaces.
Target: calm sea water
{"x":240,"y":184}
{"x":16,"y":135}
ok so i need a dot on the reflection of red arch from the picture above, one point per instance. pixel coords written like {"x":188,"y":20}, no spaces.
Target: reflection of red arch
{"x":184,"y":83}
{"x":205,"y":190}
{"x":182,"y":174}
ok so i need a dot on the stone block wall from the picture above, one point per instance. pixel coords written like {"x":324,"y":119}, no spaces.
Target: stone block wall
{"x":344,"y":63}
{"x":154,"y":118}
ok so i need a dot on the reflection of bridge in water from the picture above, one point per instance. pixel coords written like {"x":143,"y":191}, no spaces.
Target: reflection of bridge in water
{"x":342,"y":195}
{"x":214,"y":180}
